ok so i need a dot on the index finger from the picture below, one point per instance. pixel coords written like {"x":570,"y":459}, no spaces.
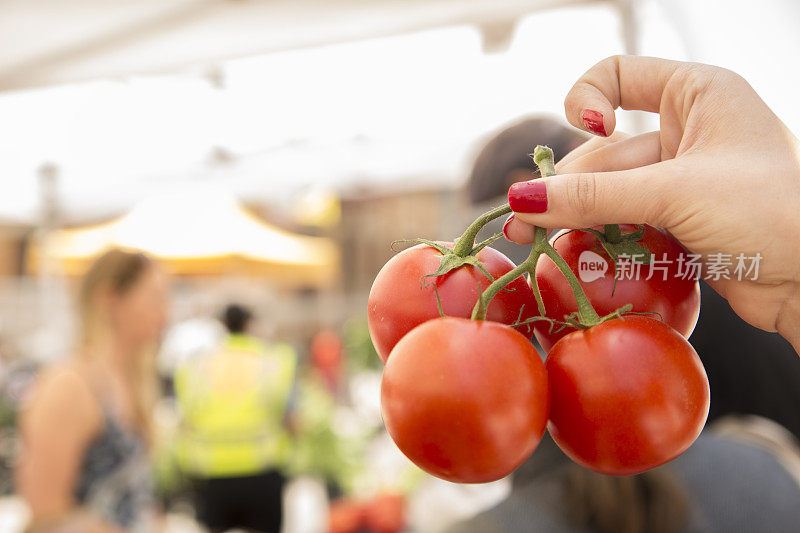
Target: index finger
{"x":629,"y":82}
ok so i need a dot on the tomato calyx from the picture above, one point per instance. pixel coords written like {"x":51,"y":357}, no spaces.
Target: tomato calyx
{"x":555,"y":325}
{"x":464,"y":251}
{"x":450,"y":260}
{"x":573,"y":320}
{"x":618,"y":244}
{"x":465,"y":244}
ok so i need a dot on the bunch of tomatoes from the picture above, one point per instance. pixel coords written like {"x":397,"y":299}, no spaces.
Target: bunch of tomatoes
{"x":465,"y":394}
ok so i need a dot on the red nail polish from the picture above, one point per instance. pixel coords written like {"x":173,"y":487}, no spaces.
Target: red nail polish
{"x":594,"y":122}
{"x":505,"y":226}
{"x":528,"y":197}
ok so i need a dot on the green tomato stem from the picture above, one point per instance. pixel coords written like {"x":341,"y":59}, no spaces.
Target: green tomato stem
{"x":534,"y":285}
{"x":613,"y":233}
{"x":464,"y":244}
{"x":529,"y":265}
{"x":543,"y":157}
{"x":587,"y":316}
{"x":586,"y":313}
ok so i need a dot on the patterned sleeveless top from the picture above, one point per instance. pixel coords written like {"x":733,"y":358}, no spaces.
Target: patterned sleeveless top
{"x":116,"y":479}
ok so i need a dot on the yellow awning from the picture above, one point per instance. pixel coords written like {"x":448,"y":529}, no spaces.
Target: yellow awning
{"x":198,"y":234}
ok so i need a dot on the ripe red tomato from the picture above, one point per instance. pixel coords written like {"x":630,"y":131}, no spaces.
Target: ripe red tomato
{"x":626,"y":395}
{"x":385,"y":513}
{"x":677,"y":300}
{"x":465,"y":400}
{"x":345,"y":516}
{"x":399,"y":301}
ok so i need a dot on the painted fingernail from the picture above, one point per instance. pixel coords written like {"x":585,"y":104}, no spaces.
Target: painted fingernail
{"x":594,"y":122}
{"x":528,"y":197}
{"x":505,"y":226}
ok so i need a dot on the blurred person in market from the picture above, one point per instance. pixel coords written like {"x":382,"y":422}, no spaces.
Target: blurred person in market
{"x":235,"y":440}
{"x":504,"y":160}
{"x":86,"y":427}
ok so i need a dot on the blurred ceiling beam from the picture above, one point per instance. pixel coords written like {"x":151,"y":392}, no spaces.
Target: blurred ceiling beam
{"x":497,"y":35}
{"x":45,"y":42}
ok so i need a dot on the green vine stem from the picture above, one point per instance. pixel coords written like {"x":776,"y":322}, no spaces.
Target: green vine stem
{"x":543,"y":157}
{"x":464,"y":245}
{"x":586,"y":315}
{"x":529,"y":265}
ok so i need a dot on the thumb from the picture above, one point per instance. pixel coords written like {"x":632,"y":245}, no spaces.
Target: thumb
{"x":636,"y":196}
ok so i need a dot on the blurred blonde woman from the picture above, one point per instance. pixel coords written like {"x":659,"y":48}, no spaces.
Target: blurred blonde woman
{"x":86,"y":429}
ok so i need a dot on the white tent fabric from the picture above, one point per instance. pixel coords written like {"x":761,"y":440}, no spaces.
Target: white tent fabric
{"x":368,"y":112}
{"x":405,"y":109}
{"x":51,"y":41}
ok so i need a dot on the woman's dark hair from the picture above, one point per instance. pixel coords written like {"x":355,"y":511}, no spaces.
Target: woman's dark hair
{"x":652,"y":502}
{"x":236,"y":318}
{"x":508,"y":151}
{"x":750,"y":371}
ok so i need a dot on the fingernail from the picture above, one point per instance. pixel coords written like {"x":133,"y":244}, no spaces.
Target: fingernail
{"x":528,"y":197}
{"x":594,"y":122}
{"x":505,"y":226}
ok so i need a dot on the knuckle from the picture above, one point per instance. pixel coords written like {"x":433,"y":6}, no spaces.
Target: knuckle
{"x":697,"y":78}
{"x":725,"y":75}
{"x":582,"y":193}
{"x":696,"y":74}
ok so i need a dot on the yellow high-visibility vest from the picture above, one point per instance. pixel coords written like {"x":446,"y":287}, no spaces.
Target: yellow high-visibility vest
{"x":233,"y":403}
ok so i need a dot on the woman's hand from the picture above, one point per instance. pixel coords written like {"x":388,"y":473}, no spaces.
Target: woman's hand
{"x":722,"y":175}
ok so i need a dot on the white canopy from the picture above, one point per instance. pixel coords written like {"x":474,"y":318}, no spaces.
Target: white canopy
{"x":403,"y":98}
{"x":43,"y":42}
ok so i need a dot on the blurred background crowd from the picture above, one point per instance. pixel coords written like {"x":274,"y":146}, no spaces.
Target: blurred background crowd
{"x":196,"y":195}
